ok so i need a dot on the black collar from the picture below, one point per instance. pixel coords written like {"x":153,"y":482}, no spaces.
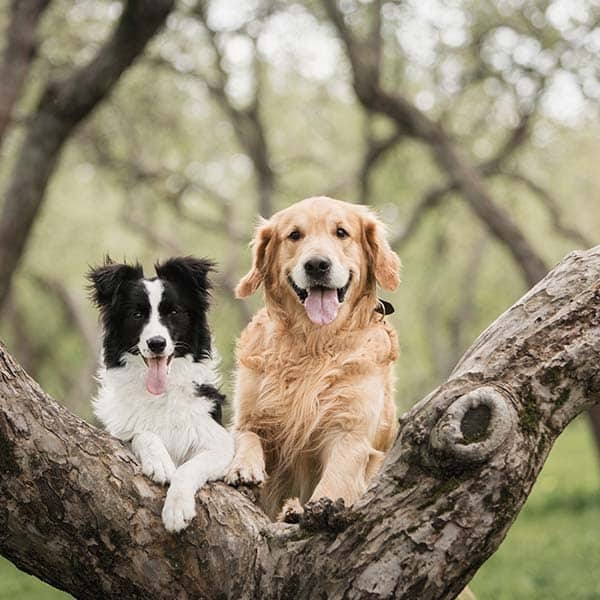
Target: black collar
{"x":384,"y":307}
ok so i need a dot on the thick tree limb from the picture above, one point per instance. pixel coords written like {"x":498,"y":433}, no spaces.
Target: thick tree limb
{"x":76,"y":511}
{"x":63,"y":105}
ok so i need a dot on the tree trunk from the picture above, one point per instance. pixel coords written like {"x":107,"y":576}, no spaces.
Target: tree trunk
{"x":19,"y":51}
{"x":76,"y":511}
{"x":63,"y":105}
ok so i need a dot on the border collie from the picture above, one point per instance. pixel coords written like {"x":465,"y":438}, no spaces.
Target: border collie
{"x":158,"y":377}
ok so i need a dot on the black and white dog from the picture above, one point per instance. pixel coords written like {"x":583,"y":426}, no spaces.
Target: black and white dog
{"x":158,"y":378}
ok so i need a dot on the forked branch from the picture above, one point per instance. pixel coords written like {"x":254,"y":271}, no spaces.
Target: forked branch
{"x":76,"y":511}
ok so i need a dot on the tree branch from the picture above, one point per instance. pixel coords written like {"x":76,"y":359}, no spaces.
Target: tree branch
{"x":376,"y":149}
{"x":63,"y":105}
{"x":19,"y":52}
{"x":76,"y":511}
{"x":552,"y":206}
{"x":79,"y":383}
{"x":247,"y":122}
{"x":459,"y":170}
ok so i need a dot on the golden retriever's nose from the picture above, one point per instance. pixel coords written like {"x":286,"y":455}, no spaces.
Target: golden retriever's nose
{"x":317,"y":266}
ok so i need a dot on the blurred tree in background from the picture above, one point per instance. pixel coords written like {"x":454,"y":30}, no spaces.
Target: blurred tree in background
{"x":145,"y":129}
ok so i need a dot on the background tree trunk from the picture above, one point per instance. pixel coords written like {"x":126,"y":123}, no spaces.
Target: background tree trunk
{"x":20,"y":50}
{"x":63,"y":105}
{"x":76,"y":511}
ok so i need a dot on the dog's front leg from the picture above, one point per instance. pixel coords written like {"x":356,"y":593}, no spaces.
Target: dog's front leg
{"x":248,"y":466}
{"x":155,"y":459}
{"x":208,"y":464}
{"x":345,"y":458}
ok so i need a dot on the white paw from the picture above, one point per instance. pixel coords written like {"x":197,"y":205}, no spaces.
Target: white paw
{"x":179,"y":508}
{"x":159,"y":469}
{"x":244,"y":474}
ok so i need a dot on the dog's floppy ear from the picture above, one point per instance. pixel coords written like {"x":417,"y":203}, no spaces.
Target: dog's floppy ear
{"x":384,"y":262}
{"x":252,"y":280}
{"x":106,"y":279}
{"x":191,"y":273}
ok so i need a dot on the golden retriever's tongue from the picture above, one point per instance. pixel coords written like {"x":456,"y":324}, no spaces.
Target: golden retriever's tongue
{"x":156,"y":377}
{"x":321,"y":305}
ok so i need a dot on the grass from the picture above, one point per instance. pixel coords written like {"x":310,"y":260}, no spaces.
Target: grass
{"x":552,"y":552}
{"x":16,"y":585}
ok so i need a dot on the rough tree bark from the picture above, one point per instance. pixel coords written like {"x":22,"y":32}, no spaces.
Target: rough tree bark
{"x":62,"y":107}
{"x":76,"y":511}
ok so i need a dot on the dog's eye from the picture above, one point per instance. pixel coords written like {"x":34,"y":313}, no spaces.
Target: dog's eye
{"x":341,"y":233}
{"x":137,"y":315}
{"x":295,"y":235}
{"x":173,"y":312}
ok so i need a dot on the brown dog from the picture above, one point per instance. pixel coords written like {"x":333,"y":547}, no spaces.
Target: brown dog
{"x":313,"y":410}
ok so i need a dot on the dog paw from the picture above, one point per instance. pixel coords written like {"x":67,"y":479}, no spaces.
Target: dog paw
{"x":179,"y":508}
{"x":159,"y":469}
{"x":291,"y":512}
{"x":324,"y":514}
{"x":243,"y":474}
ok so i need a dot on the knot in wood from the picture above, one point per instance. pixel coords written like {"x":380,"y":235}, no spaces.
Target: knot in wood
{"x":474,"y":425}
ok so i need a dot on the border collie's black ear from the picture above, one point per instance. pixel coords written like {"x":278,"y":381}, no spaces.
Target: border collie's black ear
{"x":105,"y":280}
{"x":188,"y":271}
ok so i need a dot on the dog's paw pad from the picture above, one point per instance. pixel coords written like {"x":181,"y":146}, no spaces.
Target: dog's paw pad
{"x":291,"y":512}
{"x":179,"y":509}
{"x":250,"y":475}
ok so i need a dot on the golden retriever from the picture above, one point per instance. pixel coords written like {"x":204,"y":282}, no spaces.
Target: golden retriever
{"x":313,"y":406}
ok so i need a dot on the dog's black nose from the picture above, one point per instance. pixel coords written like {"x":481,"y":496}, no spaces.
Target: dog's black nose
{"x":317,"y":266}
{"x":157,"y":343}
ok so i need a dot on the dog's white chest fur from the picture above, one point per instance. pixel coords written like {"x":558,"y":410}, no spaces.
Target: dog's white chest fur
{"x":178,"y":417}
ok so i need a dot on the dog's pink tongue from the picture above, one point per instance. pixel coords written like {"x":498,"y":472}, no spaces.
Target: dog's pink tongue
{"x":321,"y":305}
{"x":156,"y":378}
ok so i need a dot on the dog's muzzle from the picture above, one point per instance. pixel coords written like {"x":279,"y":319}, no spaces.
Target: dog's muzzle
{"x":321,"y":302}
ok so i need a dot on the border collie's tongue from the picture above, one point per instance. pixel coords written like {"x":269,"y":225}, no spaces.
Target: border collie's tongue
{"x":321,"y":305}
{"x":156,"y":378}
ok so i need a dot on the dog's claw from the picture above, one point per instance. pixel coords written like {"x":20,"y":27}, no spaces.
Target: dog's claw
{"x":291,"y":512}
{"x":249,"y":475}
{"x":160,"y":471}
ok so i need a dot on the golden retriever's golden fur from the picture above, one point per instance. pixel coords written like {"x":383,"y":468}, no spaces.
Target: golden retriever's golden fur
{"x":313,"y":408}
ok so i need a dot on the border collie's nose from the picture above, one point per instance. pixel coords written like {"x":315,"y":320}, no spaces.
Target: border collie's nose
{"x":317,"y":266}
{"x":157,"y":344}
